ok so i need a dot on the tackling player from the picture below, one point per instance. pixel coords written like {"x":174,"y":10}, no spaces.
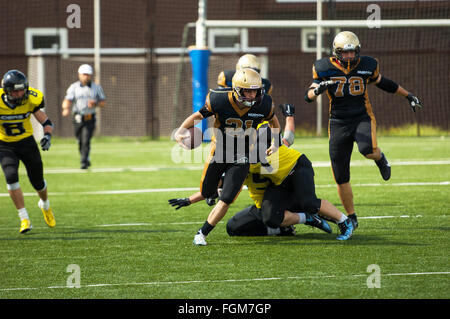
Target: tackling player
{"x":17,"y":102}
{"x":291,"y":190}
{"x":345,"y":78}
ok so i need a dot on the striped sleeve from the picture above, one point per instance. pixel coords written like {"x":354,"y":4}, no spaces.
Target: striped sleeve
{"x":376,"y":72}
{"x":70,"y":93}
{"x":100,"y":95}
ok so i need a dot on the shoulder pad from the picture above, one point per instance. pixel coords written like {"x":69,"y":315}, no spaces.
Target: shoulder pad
{"x":369,"y":62}
{"x":35,"y":96}
{"x":267,"y":86}
{"x":229,"y":77}
{"x":322,"y":65}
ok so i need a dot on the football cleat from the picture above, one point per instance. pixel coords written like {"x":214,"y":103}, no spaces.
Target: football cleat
{"x":315,"y":221}
{"x":354,"y":220}
{"x":199,"y":240}
{"x":346,"y":229}
{"x":48,"y":215}
{"x":384,"y":166}
{"x":25,"y":226}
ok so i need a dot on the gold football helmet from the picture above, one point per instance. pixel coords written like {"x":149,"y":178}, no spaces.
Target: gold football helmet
{"x":247,"y":79}
{"x":346,"y":41}
{"x":248,"y":61}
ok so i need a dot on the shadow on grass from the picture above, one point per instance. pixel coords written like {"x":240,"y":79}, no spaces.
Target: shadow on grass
{"x":318,"y":239}
{"x":33,"y":235}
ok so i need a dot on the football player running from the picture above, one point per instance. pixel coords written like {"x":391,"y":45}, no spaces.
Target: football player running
{"x":345,"y":78}
{"x":237,"y":114}
{"x":224,"y":82}
{"x":17,"y":102}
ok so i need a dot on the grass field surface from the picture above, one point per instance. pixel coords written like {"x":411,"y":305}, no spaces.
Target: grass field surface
{"x":116,"y":233}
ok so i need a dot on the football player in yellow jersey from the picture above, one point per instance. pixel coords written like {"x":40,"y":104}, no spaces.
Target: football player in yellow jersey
{"x":292,"y":188}
{"x":17,"y":102}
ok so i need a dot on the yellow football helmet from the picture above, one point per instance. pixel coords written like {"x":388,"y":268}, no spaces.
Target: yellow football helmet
{"x":248,"y":61}
{"x":346,"y":41}
{"x":247,"y":79}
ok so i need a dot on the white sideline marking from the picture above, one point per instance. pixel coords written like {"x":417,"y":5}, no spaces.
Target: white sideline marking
{"x":189,"y":189}
{"x":224,"y":280}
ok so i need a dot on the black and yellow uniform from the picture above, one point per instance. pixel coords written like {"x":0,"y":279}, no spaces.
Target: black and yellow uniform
{"x":15,"y":124}
{"x":224,"y":81}
{"x":284,"y":182}
{"x":16,"y":139}
{"x":351,"y":116}
{"x":230,"y":146}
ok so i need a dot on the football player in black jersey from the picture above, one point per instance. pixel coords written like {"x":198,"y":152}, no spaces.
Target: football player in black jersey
{"x":224,"y":83}
{"x":237,"y":113}
{"x":345,"y":78}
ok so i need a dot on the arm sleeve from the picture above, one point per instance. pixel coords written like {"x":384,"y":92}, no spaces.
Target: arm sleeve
{"x":376,"y":73}
{"x":316,"y":78}
{"x":206,"y":110}
{"x":271,"y":113}
{"x":70,"y":93}
{"x":100,"y":94}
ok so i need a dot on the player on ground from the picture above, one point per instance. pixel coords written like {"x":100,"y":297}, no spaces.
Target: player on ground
{"x":292,"y":190}
{"x":249,"y":221}
{"x":237,"y":114}
{"x":345,"y":78}
{"x":17,"y":102}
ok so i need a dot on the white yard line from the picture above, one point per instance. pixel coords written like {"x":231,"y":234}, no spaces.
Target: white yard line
{"x":199,"y":166}
{"x":190,"y":189}
{"x":155,"y":283}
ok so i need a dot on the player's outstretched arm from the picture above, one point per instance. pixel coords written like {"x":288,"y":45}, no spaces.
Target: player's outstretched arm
{"x":391,"y":87}
{"x":182,"y":202}
{"x":289,"y":127}
{"x":316,"y":89}
{"x":42,"y":118}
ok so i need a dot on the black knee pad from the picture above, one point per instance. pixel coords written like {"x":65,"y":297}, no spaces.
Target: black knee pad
{"x":230,"y":227}
{"x":311,"y":205}
{"x":36,"y":175}
{"x":365,"y":148}
{"x":11,"y":173}
{"x":272,"y":216}
{"x":341,"y":172}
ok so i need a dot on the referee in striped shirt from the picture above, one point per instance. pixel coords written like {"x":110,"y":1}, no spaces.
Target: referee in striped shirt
{"x":84,"y":96}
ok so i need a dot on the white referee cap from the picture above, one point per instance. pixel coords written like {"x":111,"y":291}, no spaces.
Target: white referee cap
{"x":85,"y":69}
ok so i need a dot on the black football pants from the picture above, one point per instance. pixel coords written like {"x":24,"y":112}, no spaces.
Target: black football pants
{"x":26,"y":150}
{"x":84,"y":132}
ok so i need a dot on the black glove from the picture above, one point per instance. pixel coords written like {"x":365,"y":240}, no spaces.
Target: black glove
{"x":323,"y":86}
{"x":287,"y":109}
{"x":45,"y":142}
{"x":414,"y":101}
{"x":179,"y":202}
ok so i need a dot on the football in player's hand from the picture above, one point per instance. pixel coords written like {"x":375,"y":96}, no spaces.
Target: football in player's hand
{"x":193,"y":138}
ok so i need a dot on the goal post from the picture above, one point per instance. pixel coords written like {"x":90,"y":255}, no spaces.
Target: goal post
{"x":319,"y":25}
